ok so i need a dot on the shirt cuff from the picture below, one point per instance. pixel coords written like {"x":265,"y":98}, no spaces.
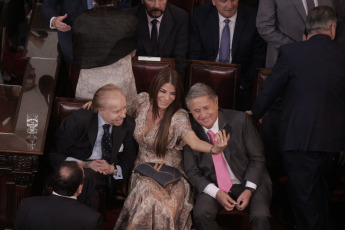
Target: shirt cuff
{"x":72,"y":159}
{"x":211,"y":190}
{"x":51,"y":25}
{"x":251,"y":185}
{"x":118,"y":175}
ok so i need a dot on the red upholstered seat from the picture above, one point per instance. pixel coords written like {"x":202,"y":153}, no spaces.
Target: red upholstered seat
{"x":144,"y":71}
{"x":224,"y":79}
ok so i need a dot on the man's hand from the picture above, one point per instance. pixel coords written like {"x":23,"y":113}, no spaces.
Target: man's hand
{"x":250,"y":113}
{"x":104,"y":167}
{"x":243,"y":200}
{"x":58,"y":23}
{"x":225,"y":200}
{"x":100,"y":166}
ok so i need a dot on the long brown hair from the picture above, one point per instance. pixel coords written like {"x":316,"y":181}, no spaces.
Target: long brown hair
{"x":166,"y":75}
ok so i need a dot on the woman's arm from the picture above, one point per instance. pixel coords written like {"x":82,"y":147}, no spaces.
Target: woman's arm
{"x":220,"y":142}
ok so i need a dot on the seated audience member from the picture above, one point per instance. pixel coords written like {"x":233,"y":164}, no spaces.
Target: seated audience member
{"x":234,"y":178}
{"x":103,"y":39}
{"x":312,"y":120}
{"x":225,"y":31}
{"x":61,"y":210}
{"x":100,"y":140}
{"x":163,"y":31}
{"x":282,"y":22}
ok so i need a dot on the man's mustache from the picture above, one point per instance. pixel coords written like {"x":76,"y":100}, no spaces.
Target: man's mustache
{"x":157,"y":9}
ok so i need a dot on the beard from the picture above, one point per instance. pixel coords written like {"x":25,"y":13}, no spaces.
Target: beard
{"x":155,"y":10}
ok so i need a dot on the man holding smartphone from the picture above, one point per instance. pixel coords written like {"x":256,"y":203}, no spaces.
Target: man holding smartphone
{"x":235,"y":178}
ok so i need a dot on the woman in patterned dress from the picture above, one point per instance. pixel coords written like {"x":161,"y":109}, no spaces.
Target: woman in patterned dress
{"x":162,"y":128}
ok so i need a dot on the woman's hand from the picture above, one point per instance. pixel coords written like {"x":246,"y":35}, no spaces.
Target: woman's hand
{"x":87,"y":105}
{"x":220,"y":142}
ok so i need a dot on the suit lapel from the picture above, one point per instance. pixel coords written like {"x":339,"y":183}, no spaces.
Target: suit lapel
{"x":117,"y":134}
{"x":143,"y":31}
{"x":93,"y":130}
{"x":84,"y":4}
{"x":165,"y":29}
{"x":221,"y":121}
{"x":239,"y":28}
{"x":300,"y":8}
{"x":214,"y":21}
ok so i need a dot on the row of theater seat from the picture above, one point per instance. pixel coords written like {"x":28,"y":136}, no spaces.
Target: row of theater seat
{"x":224,"y":78}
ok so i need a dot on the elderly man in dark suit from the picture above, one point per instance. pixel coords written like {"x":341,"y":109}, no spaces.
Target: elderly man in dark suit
{"x":312,"y":123}
{"x":59,"y":210}
{"x":234,"y":40}
{"x":163,"y":31}
{"x":235,"y":178}
{"x":100,"y":140}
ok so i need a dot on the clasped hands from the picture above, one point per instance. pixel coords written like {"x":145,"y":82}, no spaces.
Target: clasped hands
{"x":229,"y":204}
{"x":100,"y":166}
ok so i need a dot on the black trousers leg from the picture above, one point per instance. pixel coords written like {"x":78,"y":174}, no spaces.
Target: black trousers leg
{"x":92,"y":181}
{"x":307,"y":188}
{"x":205,"y":212}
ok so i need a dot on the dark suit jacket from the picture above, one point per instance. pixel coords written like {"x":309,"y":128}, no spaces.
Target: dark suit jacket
{"x":244,"y":153}
{"x":313,"y":111}
{"x":339,"y":6}
{"x":56,"y":213}
{"x":173,"y":35}
{"x":77,"y":134}
{"x":248,"y":49}
{"x":72,"y":8}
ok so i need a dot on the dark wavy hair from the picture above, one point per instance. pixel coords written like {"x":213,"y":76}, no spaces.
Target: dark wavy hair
{"x":166,"y":75}
{"x":67,"y":178}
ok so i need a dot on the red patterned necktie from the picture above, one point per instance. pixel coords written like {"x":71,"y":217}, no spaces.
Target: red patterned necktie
{"x":222,"y":172}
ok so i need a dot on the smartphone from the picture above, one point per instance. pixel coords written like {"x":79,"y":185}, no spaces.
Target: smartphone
{"x":227,"y":128}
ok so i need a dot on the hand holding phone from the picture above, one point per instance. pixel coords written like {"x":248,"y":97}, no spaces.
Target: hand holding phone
{"x":227,"y":128}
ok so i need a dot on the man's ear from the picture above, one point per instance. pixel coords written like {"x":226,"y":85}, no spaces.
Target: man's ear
{"x":216,"y":100}
{"x":80,"y":188}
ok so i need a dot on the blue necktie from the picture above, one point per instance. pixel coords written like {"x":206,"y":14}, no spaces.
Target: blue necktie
{"x":224,"y":49}
{"x":107,"y":147}
{"x":90,"y":4}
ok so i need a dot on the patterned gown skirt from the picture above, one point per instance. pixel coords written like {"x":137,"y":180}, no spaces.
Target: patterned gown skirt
{"x":150,"y":206}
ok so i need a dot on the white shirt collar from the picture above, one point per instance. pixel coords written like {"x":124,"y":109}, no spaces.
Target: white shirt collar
{"x":101,"y":122}
{"x":149,"y":18}
{"x":71,"y":197}
{"x":232,"y":19}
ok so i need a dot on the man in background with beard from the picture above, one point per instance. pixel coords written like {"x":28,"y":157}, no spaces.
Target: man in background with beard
{"x":162,"y":31}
